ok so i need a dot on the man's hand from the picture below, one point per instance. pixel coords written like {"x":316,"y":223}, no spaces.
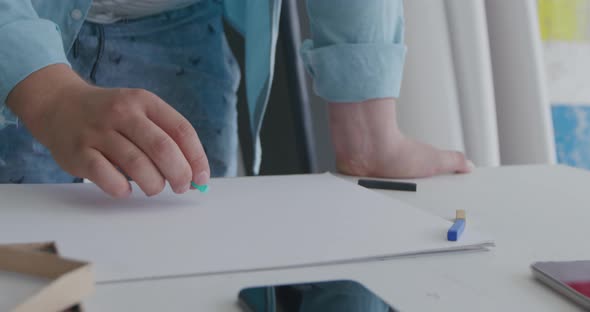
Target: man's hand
{"x":92,"y":132}
{"x":368,"y":142}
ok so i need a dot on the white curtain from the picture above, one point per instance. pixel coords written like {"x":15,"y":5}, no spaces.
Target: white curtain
{"x":474,"y":80}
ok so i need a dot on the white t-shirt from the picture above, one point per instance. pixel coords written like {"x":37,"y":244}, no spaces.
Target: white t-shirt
{"x":110,"y":11}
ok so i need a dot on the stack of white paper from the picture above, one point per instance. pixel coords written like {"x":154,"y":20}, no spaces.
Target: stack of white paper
{"x":242,"y":224}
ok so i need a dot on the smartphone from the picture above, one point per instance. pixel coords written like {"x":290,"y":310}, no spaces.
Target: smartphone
{"x":316,"y":296}
{"x":569,"y":278}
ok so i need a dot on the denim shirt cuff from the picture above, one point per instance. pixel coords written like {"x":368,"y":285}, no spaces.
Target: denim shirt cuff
{"x":27,"y":46}
{"x":355,"y":72}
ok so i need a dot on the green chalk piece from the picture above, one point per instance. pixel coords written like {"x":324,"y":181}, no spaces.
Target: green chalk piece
{"x":202,"y":188}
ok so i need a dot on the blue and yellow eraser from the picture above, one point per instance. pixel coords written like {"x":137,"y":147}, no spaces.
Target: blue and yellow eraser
{"x":202,"y":188}
{"x":458,"y":226}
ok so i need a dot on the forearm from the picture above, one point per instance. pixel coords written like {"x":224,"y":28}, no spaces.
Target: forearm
{"x":364,"y":134}
{"x":356,"y":57}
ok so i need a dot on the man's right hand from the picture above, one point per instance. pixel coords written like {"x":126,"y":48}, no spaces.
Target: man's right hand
{"x":92,"y":132}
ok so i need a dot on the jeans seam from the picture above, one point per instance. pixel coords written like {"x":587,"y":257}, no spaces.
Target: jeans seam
{"x":101,"y":41}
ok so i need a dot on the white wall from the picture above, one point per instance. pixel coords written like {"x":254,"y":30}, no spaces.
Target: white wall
{"x":524,"y":123}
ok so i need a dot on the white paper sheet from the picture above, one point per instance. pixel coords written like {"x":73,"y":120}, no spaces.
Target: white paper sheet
{"x":242,"y":224}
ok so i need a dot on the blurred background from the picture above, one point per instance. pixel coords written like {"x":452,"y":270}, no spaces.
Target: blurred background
{"x":565,"y":31}
{"x":503,"y":81}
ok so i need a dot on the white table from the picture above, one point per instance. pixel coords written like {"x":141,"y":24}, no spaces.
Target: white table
{"x":533,"y":212}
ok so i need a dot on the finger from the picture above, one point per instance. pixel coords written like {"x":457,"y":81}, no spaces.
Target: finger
{"x":452,"y":162}
{"x":134,"y":163}
{"x":161,"y":149}
{"x":183,"y":133}
{"x":99,"y":170}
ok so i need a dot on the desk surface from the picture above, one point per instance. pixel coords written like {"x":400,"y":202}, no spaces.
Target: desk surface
{"x":534,"y":213}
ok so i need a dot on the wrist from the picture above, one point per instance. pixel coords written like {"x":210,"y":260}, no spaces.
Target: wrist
{"x":38,"y":97}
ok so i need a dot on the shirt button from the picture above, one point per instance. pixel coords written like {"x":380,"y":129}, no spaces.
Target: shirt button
{"x":76,"y":14}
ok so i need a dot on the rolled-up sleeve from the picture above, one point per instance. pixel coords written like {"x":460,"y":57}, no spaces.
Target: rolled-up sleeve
{"x":356,"y":51}
{"x":27,"y":44}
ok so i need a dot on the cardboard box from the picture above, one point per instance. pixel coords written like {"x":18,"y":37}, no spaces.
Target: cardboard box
{"x":70,"y":281}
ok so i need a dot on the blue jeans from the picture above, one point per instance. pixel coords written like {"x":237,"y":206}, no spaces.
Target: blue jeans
{"x":182,"y":56}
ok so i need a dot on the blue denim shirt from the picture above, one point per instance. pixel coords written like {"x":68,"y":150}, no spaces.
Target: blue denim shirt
{"x":356,"y":51}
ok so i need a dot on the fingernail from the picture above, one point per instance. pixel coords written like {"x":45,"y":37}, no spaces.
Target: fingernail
{"x":200,"y":182}
{"x":185,"y":188}
{"x":201,"y":179}
{"x":470,"y":164}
